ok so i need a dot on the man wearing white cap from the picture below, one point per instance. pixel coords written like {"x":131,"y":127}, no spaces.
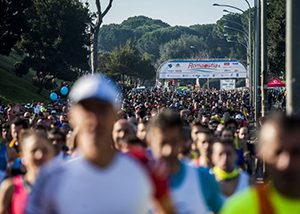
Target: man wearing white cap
{"x":102,"y":180}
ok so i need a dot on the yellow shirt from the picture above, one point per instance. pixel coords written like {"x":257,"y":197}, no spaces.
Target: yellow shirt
{"x":247,"y":203}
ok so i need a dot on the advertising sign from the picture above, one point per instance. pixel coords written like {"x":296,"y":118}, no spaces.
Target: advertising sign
{"x":228,"y":84}
{"x":193,"y":69}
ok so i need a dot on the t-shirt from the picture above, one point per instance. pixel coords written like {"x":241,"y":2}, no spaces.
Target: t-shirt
{"x":3,"y":156}
{"x":243,"y":183}
{"x":20,"y":195}
{"x":79,"y":187}
{"x":2,"y":176}
{"x":247,"y":202}
{"x":207,"y":185}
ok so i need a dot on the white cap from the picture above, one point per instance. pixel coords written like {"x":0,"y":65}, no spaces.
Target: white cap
{"x":239,"y":117}
{"x":96,"y":86}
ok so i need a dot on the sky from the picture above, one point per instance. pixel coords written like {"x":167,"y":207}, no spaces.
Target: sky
{"x":173,"y":12}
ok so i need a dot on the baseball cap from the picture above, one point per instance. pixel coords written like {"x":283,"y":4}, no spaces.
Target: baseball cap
{"x":239,"y":117}
{"x":96,"y":86}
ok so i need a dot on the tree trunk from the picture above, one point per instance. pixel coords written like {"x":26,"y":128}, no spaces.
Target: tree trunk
{"x":99,"y":21}
{"x":95,"y":50}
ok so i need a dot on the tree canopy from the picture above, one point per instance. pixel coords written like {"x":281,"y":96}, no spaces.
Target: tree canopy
{"x":126,"y":61}
{"x":12,"y":23}
{"x":58,"y":41}
{"x":158,"y":40}
{"x":276,"y":37}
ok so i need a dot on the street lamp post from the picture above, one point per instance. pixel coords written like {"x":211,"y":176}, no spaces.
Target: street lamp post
{"x":292,"y":57}
{"x":235,"y":41}
{"x":264,"y":58}
{"x":251,"y":67}
{"x":236,"y":29}
{"x":229,"y":39}
{"x":227,"y":5}
{"x":257,"y":60}
{"x":194,"y":50}
{"x":233,"y":22}
{"x":249,"y":50}
{"x":249,"y":82}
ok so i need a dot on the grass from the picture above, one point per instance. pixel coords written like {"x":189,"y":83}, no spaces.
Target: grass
{"x":7,"y":63}
{"x":14,"y":89}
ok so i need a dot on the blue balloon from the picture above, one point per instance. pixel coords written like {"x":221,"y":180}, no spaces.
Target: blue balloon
{"x":64,"y":90}
{"x":53,"y":96}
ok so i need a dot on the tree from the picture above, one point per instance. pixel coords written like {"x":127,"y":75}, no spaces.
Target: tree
{"x":276,"y":37}
{"x":115,"y":35}
{"x":58,"y":40}
{"x":151,"y":42}
{"x":12,"y":22}
{"x":95,"y":29}
{"x":126,"y":62}
{"x":112,"y":36}
{"x":141,"y":21}
{"x":187,"y":46}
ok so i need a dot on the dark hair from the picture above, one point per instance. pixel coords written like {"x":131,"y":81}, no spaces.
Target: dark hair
{"x":57,"y":131}
{"x":187,"y":133}
{"x":285,"y":123}
{"x":133,"y":140}
{"x":227,"y":130}
{"x":145,"y":120}
{"x":196,"y":122}
{"x":230,"y":121}
{"x":202,"y":128}
{"x":26,"y":133}
{"x":225,"y":142}
{"x":5,"y":126}
{"x":41,"y":128}
{"x":166,"y":120}
{"x":20,"y":122}
{"x":121,"y":115}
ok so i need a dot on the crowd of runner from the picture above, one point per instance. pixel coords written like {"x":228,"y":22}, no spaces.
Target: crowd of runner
{"x":152,"y":151}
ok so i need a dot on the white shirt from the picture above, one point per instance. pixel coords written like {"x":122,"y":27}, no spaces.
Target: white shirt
{"x":79,"y":187}
{"x":243,"y":183}
{"x":187,"y":197}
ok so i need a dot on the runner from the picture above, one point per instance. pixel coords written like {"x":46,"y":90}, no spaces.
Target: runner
{"x":203,"y":143}
{"x":193,"y":190}
{"x":142,"y":129}
{"x":3,"y":150}
{"x":231,"y":179}
{"x":280,"y":148}
{"x":15,"y":166}
{"x":122,"y":129}
{"x":58,"y":140}
{"x":101,"y":180}
{"x":36,"y":151}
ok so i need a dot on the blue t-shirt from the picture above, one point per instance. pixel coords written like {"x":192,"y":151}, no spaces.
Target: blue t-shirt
{"x":3,"y":156}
